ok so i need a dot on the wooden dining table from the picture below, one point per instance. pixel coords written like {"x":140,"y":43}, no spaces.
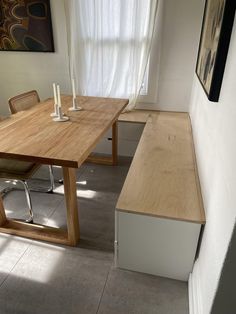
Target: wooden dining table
{"x":33,"y":136}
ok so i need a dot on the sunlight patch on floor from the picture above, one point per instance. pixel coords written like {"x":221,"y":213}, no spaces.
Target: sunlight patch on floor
{"x":80,"y":193}
{"x":51,"y":258}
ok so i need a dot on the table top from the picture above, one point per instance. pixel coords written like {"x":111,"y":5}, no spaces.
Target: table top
{"x":32,"y":135}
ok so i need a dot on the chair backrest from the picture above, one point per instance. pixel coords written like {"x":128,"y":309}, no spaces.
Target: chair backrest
{"x":23,"y":101}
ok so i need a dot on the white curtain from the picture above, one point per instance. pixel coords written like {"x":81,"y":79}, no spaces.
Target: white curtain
{"x":109,"y":45}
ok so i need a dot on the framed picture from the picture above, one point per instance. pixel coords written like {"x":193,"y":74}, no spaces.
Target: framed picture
{"x":26,"y":25}
{"x":214,"y":43}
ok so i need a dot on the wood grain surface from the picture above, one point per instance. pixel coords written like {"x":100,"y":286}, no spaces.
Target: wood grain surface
{"x":163,"y":180}
{"x":69,"y":177}
{"x":35,"y":231}
{"x":136,"y":116}
{"x":2,"y":213}
{"x":33,"y":136}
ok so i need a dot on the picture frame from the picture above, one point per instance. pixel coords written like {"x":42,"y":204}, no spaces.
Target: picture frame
{"x":214,"y":44}
{"x":26,"y":25}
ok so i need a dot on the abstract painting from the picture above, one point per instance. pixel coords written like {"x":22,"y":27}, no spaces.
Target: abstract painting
{"x":25,"y":25}
{"x":215,"y":38}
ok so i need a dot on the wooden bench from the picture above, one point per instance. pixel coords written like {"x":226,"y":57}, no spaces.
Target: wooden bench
{"x":160,"y":210}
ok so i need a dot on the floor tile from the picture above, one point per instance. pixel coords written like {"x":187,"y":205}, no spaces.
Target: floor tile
{"x":96,"y":223}
{"x":136,"y":293}
{"x":106,"y":178}
{"x":11,"y":250}
{"x":53,"y":279}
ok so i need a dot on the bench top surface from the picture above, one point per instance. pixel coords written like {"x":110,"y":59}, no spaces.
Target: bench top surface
{"x":135,"y":116}
{"x":163,"y":178}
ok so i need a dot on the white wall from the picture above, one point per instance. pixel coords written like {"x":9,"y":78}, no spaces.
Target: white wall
{"x":179,"y":45}
{"x":214,"y":127}
{"x":23,"y":71}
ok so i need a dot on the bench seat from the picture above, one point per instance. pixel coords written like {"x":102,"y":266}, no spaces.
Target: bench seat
{"x":160,"y":210}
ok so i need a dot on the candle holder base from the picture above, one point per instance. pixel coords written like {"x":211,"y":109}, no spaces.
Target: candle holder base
{"x":55,"y":115}
{"x":75,"y":108}
{"x":61,"y":119}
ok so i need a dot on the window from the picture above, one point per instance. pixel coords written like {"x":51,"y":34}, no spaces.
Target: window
{"x":110,"y":42}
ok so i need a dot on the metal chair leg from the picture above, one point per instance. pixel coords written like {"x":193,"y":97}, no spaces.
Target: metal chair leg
{"x":6,"y":190}
{"x":52,"y":180}
{"x":52,"y":183}
{"x":29,"y":202}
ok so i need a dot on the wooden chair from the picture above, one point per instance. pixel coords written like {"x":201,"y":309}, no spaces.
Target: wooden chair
{"x":18,"y":171}
{"x":24,"y":102}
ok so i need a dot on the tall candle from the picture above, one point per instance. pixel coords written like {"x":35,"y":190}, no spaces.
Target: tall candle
{"x":55,"y":93}
{"x":58,"y":96}
{"x":73,"y":88}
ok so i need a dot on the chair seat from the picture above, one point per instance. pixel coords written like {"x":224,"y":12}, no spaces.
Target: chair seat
{"x":11,"y":168}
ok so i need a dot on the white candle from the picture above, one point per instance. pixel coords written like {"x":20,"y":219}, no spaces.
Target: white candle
{"x":55,"y":93}
{"x":58,"y":96}
{"x":73,"y":88}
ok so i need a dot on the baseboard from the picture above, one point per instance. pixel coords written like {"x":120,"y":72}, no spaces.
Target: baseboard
{"x":195,"y":303}
{"x":190,"y":295}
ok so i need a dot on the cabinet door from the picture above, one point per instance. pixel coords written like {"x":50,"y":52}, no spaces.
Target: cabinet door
{"x":156,"y":246}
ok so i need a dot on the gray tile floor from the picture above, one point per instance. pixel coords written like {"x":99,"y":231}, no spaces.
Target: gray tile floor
{"x":37,"y":277}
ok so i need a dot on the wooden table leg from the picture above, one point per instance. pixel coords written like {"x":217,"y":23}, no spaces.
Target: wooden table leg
{"x":114,"y":143}
{"x":69,"y":176}
{"x":2,"y":213}
{"x":113,"y":160}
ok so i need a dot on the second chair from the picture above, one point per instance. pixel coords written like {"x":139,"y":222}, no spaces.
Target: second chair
{"x":24,"y":102}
